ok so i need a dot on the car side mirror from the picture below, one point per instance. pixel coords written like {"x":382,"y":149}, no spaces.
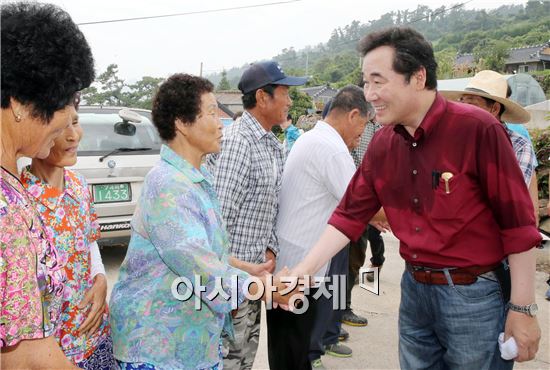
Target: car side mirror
{"x":126,"y":127}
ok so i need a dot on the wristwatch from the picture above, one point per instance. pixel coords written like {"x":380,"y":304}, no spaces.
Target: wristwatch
{"x":530,"y":309}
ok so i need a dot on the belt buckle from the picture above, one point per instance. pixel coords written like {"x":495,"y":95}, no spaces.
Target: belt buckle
{"x":428,"y":274}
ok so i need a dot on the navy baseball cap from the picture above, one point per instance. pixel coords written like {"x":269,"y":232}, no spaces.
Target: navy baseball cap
{"x":266,"y":73}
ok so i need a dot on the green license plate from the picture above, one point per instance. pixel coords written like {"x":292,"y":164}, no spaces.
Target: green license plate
{"x":107,"y":193}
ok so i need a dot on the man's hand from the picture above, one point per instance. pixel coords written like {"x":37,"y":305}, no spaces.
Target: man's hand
{"x":270,"y":256}
{"x":381,"y":226}
{"x":526,"y":333}
{"x":380,"y":221}
{"x":288,"y":290}
{"x":95,"y":296}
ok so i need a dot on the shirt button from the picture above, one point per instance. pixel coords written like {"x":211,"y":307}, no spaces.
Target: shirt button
{"x":414,"y":145}
{"x":417,"y":229}
{"x":415,"y":172}
{"x":414,"y":256}
{"x":415,"y":200}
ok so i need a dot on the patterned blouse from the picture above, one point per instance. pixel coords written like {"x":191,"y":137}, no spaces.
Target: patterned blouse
{"x":31,"y":275}
{"x":71,"y":219}
{"x":177,"y":231}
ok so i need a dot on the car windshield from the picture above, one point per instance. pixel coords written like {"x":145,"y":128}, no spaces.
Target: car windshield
{"x":100,"y":136}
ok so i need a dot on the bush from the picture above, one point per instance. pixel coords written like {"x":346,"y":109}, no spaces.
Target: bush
{"x":543,"y":78}
{"x":541,"y":144}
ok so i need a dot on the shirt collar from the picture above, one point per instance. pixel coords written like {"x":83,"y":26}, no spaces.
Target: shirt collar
{"x":175,"y":160}
{"x":46,"y":194}
{"x":322,"y":125}
{"x":432,"y":117}
{"x":257,"y":130}
{"x":12,"y":180}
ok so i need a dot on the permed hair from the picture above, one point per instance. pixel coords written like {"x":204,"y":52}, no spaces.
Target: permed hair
{"x":412,"y":52}
{"x":45,"y":58}
{"x":178,"y":97}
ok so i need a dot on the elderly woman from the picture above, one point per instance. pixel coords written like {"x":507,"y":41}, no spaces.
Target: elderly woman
{"x":177,"y":232}
{"x":65,"y":205}
{"x":45,"y":60}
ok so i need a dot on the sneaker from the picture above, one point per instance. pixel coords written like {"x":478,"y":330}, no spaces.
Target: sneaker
{"x":547,"y":297}
{"x":338,"y":350}
{"x":317,"y":364}
{"x":343,"y":336}
{"x":370,"y":276}
{"x":351,"y":319}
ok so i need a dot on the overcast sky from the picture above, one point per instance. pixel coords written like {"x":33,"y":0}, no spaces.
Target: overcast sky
{"x":160,"y":47}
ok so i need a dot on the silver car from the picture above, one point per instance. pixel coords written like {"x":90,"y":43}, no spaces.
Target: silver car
{"x":119,"y":147}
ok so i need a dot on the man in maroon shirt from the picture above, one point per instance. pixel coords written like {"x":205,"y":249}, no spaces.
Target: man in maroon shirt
{"x":454,"y":195}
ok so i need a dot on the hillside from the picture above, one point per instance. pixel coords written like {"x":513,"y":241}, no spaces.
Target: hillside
{"x":452,"y":29}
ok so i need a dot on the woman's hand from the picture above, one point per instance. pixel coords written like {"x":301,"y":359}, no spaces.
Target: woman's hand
{"x":96,"y":296}
{"x":254,"y":269}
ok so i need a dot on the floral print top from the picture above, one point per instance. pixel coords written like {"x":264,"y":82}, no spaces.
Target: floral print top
{"x":72,"y":221}
{"x":31,"y":275}
{"x":177,"y":231}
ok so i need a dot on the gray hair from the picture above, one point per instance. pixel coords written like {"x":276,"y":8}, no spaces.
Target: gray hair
{"x":351,"y":97}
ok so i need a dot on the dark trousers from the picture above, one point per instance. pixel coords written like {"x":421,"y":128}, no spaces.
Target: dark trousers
{"x":358,"y":253}
{"x":328,"y":320}
{"x":288,"y":337}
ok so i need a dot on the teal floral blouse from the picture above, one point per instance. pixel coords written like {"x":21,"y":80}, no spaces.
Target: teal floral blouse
{"x":177,"y":232}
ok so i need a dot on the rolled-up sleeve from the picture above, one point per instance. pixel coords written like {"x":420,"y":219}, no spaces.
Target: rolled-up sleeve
{"x":504,"y":187}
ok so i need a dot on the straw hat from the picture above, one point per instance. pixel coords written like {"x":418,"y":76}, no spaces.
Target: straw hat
{"x":492,"y":85}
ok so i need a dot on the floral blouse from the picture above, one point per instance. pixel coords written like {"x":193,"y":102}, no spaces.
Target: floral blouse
{"x":31,"y":275}
{"x":71,"y":219}
{"x":177,"y":231}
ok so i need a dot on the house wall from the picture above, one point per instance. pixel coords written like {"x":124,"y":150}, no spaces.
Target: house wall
{"x":520,"y":68}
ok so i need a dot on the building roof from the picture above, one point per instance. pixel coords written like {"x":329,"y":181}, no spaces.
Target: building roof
{"x":225,"y":109}
{"x":229,"y":97}
{"x":318,"y":91}
{"x":466,"y":59}
{"x":527,"y":54}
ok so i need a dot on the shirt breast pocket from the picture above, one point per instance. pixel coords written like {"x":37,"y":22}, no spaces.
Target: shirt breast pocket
{"x":448,"y":198}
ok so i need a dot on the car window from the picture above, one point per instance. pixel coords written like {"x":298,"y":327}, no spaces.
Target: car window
{"x":100,"y":136}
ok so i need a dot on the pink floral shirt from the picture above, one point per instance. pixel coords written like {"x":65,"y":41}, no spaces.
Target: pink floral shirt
{"x":31,"y":277}
{"x":70,"y":217}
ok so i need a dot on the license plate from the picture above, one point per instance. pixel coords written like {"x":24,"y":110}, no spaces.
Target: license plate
{"x":107,"y":193}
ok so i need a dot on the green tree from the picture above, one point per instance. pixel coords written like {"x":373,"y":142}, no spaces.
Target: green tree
{"x":445,"y":63}
{"x":91,"y":96}
{"x":140,"y":94}
{"x":110,"y":90}
{"x":491,"y":54}
{"x":301,"y":102}
{"x":224,"y":83}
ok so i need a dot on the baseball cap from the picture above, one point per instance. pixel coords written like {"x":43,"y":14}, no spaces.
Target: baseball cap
{"x":266,"y":73}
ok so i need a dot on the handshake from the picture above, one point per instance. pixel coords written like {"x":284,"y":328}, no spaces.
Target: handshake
{"x":284,"y":289}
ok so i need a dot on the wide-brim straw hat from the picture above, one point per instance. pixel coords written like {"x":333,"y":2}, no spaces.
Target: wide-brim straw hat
{"x":492,"y":85}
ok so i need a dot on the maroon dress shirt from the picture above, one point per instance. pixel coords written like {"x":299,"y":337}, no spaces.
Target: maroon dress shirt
{"x":486,"y":214}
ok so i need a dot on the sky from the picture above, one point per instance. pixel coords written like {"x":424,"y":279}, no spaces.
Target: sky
{"x":219,"y":40}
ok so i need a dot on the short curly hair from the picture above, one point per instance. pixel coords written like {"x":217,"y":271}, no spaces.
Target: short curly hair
{"x":178,"y":97}
{"x":45,"y":58}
